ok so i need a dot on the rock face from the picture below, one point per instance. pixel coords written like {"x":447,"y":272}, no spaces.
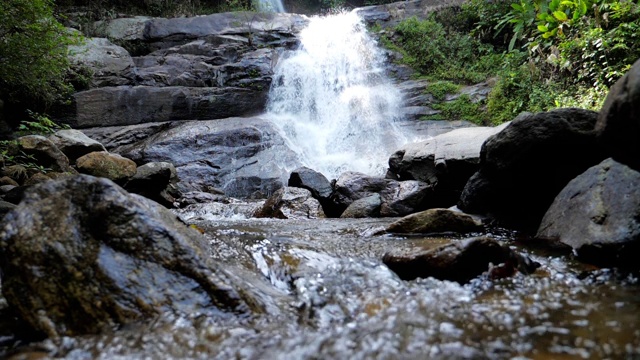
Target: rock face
{"x":74,"y":143}
{"x":459,"y":261}
{"x":524,"y":167}
{"x":446,"y":161}
{"x":598,"y":214}
{"x":199,"y":68}
{"x":243,"y":157}
{"x":436,"y":221}
{"x":618,"y":126}
{"x":291,"y":203}
{"x":103,"y":164}
{"x":399,"y":198}
{"x":389,"y":15}
{"x":112,"y":258}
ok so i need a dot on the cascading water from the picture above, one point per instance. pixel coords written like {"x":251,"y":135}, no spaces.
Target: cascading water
{"x":333,"y":101}
{"x":271,"y":5}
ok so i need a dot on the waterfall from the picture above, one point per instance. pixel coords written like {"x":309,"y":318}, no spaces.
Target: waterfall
{"x":332,"y":100}
{"x":270,"y":5}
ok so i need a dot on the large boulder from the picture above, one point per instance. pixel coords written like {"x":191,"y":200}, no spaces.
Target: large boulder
{"x":74,"y":143}
{"x":618,"y":126}
{"x":459,"y":261}
{"x":434,"y":221}
{"x":112,"y":258}
{"x":109,"y":64}
{"x":523,"y":167}
{"x":103,"y":164}
{"x":363,"y":208}
{"x":291,"y":203}
{"x":598,"y":215}
{"x":242,"y":157}
{"x":156,"y":181}
{"x":447,"y":161}
{"x":318,"y":184}
{"x":44,"y":152}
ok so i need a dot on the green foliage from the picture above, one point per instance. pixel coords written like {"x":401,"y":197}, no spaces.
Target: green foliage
{"x":12,"y":155}
{"x":33,"y":53}
{"x":39,"y":124}
{"x":440,"y":89}
{"x":461,"y":108}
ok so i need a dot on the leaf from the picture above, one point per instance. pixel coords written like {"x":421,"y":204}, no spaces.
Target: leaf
{"x":543,"y":28}
{"x":560,"y":15}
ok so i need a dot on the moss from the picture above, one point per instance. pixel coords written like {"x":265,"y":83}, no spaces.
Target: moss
{"x":461,"y":108}
{"x":440,"y":89}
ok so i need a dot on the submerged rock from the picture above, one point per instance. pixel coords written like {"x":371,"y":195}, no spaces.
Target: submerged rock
{"x":523,"y":167}
{"x":618,"y":125}
{"x":436,"y":221}
{"x":459,"y":261}
{"x":598,"y":214}
{"x":291,"y":203}
{"x":112,"y":258}
{"x":103,"y":164}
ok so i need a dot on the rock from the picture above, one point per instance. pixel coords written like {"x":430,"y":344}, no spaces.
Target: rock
{"x":363,"y":208}
{"x":45,"y":152}
{"x":447,"y":161}
{"x":436,"y":221}
{"x":401,"y":198}
{"x":104,"y":164}
{"x":5,"y":207}
{"x":15,"y":194}
{"x":112,"y":258}
{"x":17,"y":173}
{"x":129,"y":105}
{"x":156,"y":181}
{"x":351,"y":186}
{"x":4,"y":189}
{"x":319,"y":186}
{"x":598,"y":215}
{"x":244,"y":157}
{"x":6,"y":180}
{"x":36,"y":178}
{"x":109,"y":64}
{"x":74,"y":143}
{"x":389,"y":15}
{"x":618,"y":125}
{"x":291,"y":203}
{"x":524,"y":167}
{"x":459,"y":261}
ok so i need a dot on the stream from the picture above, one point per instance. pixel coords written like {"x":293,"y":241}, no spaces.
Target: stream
{"x":328,"y":295}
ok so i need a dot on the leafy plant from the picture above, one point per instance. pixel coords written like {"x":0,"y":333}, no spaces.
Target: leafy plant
{"x":39,"y":124}
{"x":461,"y":108}
{"x":440,"y":89}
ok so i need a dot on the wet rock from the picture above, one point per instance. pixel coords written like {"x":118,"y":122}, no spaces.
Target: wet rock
{"x":36,"y":178}
{"x":109,"y":64}
{"x":74,"y":143}
{"x":113,"y":258}
{"x":104,"y":164}
{"x":319,"y":186}
{"x":291,"y":203}
{"x":351,"y":186}
{"x":618,"y":125}
{"x":243,"y":157}
{"x":436,"y":221}
{"x":363,"y":208}
{"x":156,"y":181}
{"x":5,"y":207}
{"x":5,"y":180}
{"x":459,"y":261}
{"x":400,"y":198}
{"x":447,"y":161}
{"x":45,"y":152}
{"x":598,"y":214}
{"x":524,"y":167}
{"x":198,"y":197}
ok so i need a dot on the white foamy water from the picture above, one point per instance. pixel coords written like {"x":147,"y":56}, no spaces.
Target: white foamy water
{"x":333,"y":101}
{"x":271,"y":5}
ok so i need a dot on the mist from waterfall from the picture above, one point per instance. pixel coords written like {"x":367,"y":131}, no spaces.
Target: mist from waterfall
{"x":270,"y":5}
{"x":332,"y":100}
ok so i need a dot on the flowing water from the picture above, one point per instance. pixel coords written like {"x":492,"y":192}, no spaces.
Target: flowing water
{"x":271,"y":5}
{"x":332,"y":100}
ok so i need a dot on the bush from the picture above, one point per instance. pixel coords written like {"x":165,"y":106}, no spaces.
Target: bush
{"x":33,"y":54}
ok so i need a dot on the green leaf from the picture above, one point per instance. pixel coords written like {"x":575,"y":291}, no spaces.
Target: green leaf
{"x":543,"y":28}
{"x":560,"y":15}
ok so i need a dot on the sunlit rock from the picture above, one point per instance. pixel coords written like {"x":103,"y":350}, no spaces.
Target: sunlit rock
{"x":82,"y":255}
{"x":598,"y":214}
{"x":103,"y":164}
